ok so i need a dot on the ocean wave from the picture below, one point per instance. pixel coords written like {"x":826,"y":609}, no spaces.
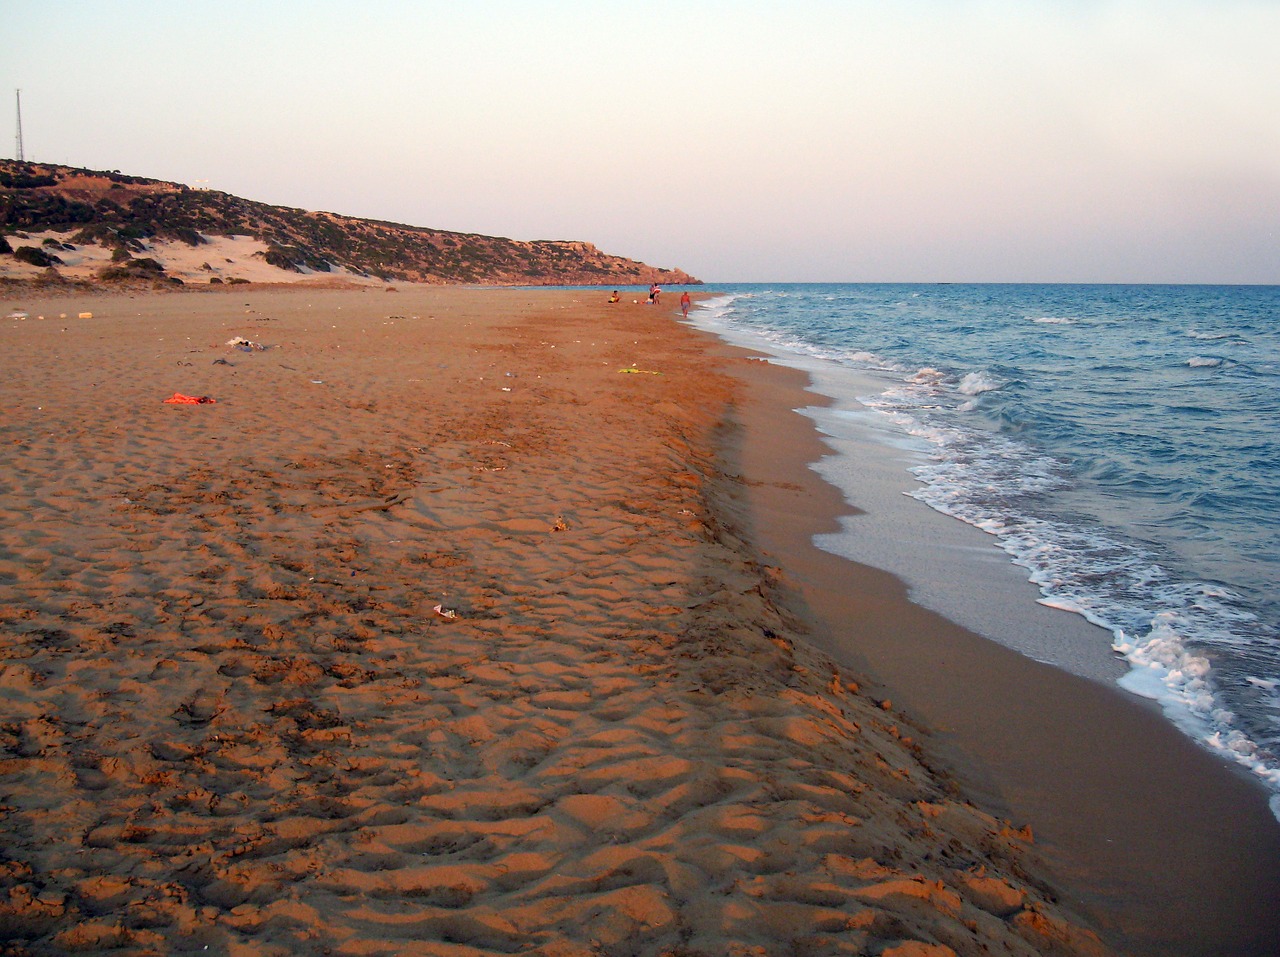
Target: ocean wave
{"x":1214,"y":336}
{"x":718,"y":308}
{"x":1113,"y":584}
{"x":976,"y":383}
{"x":927,"y":376}
{"x":1157,"y":619}
{"x":1181,"y":680}
{"x":1120,"y":487}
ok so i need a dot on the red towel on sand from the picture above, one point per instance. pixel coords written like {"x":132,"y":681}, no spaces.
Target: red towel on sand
{"x":179,"y":399}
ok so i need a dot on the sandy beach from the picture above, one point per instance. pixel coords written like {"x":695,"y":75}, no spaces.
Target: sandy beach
{"x":480,"y":621}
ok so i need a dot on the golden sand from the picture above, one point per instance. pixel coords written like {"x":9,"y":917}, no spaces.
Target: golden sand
{"x":435,"y":634}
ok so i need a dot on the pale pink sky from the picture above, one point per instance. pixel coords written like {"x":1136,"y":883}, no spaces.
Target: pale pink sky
{"x":818,"y":140}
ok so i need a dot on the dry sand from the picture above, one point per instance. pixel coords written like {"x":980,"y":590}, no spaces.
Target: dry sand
{"x":221,"y":258}
{"x":233,"y":722}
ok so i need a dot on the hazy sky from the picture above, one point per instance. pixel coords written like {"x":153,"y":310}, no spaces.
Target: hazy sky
{"x":811,"y":140}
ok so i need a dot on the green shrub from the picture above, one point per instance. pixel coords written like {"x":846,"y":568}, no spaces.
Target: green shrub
{"x":94,"y":233}
{"x":22,"y":180}
{"x":34,"y":256}
{"x":134,"y":269}
{"x":184,"y":234}
{"x":282,"y":258}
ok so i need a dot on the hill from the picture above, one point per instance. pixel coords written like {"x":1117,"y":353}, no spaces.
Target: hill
{"x":109,"y":226}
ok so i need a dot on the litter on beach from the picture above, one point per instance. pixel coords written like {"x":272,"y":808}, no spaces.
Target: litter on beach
{"x":634,"y":371}
{"x":179,"y":399}
{"x":246,"y":345}
{"x":448,"y":614}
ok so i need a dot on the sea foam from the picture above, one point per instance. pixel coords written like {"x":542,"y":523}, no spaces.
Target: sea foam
{"x":1134,"y":495}
{"x":976,"y":383}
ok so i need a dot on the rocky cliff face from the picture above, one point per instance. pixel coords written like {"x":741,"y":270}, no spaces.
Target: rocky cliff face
{"x":125,"y":212}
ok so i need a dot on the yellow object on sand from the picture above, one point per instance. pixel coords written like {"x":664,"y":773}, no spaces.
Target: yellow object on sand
{"x":640,"y":371}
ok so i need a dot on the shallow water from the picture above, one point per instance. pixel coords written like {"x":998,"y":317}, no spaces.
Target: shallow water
{"x":1117,"y":444}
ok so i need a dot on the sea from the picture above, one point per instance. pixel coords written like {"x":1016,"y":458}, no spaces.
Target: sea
{"x":1099,"y":465}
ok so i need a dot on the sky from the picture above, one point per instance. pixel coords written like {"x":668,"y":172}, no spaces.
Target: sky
{"x":806,"y":141}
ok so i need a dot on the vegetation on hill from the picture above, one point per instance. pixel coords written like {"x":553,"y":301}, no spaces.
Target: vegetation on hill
{"x":123,"y":212}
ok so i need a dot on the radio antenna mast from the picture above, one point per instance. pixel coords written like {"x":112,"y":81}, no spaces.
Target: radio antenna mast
{"x":20,"y":157}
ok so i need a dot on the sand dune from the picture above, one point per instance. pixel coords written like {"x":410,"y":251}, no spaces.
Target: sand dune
{"x":221,"y":258}
{"x":234,"y":721}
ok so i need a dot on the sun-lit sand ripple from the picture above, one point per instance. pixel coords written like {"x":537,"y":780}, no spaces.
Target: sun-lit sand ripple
{"x":234,"y":718}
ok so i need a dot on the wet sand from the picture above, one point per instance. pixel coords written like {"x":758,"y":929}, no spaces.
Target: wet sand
{"x":1169,"y":849}
{"x":444,"y":630}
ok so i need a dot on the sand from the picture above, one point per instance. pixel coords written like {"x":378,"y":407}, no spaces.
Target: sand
{"x":440,"y":633}
{"x":221,"y":258}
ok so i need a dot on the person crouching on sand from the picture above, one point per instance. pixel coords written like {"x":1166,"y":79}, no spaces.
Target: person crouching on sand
{"x":614,"y":297}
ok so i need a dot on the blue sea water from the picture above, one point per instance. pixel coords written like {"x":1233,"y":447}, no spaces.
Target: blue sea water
{"x":1121,"y":444}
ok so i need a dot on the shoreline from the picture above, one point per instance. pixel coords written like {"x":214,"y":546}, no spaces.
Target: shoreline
{"x":436,"y":628}
{"x":1159,"y":866}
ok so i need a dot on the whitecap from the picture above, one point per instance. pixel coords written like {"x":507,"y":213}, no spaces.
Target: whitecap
{"x":926,"y":376}
{"x":1203,"y":362}
{"x":1211,"y":336}
{"x":1166,"y":670}
{"x":1053,"y":320}
{"x":976,"y":383}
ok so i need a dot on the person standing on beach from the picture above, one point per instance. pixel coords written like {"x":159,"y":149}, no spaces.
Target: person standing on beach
{"x":684,"y":303}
